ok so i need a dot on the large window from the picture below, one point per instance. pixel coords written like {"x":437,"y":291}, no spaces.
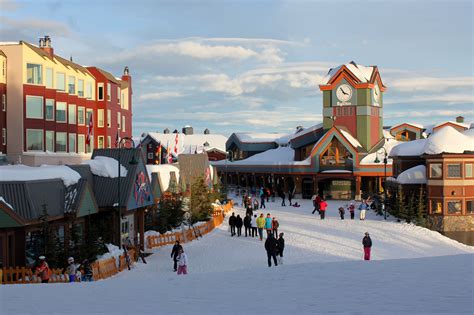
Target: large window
{"x":123,"y":123}
{"x":72,"y":143}
{"x":469,"y":206}
{"x":81,"y":115}
{"x":109,"y":141}
{"x":119,"y":120}
{"x":72,"y":114}
{"x":34,"y":107}
{"x":89,"y":90}
{"x":468,"y":170}
{"x":71,"y":85}
{"x":60,"y":81}
{"x":436,"y":206}
{"x":34,"y":140}
{"x":49,"y":140}
{"x":61,"y":112}
{"x":80,"y":88}
{"x":109,"y":118}
{"x":61,"y":141}
{"x":335,"y":155}
{"x":33,"y":73}
{"x":109,"y":92}
{"x":454,"y":170}
{"x":100,"y":91}
{"x":436,"y":170}
{"x":49,"y":115}
{"x":100,"y":142}
{"x":454,"y":206}
{"x":81,"y":143}
{"x":118,"y":94}
{"x":100,"y":118}
{"x":49,"y":77}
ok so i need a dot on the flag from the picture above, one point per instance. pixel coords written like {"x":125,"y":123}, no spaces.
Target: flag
{"x":117,"y":140}
{"x":90,"y":130}
{"x":169,"y":158}
{"x":176,"y":144}
{"x":158,"y":155}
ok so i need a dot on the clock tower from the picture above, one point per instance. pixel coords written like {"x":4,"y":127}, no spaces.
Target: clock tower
{"x":353,"y":100}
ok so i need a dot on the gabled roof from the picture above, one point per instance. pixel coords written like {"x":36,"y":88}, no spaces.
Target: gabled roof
{"x":357,"y":75}
{"x":108,"y":75}
{"x":417,"y":126}
{"x":307,"y":136}
{"x":188,"y":144}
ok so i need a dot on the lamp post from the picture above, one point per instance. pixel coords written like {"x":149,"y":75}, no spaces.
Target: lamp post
{"x":382,"y":149}
{"x":132,"y":162}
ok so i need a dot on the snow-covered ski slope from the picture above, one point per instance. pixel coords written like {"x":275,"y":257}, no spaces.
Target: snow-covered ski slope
{"x":414,"y":271}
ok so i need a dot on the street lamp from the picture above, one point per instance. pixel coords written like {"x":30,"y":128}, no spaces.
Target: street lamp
{"x":133,"y":161}
{"x":384,"y":151}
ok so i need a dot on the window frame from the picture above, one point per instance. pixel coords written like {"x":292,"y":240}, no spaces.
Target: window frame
{"x":80,"y":91}
{"x":109,"y":91}
{"x":4,"y":136}
{"x":41,"y":106}
{"x":119,"y":121}
{"x":458,"y":201}
{"x":109,"y":118}
{"x":466,"y":175}
{"x":454,"y":164}
{"x":42,"y":140}
{"x":98,"y":142}
{"x":46,"y":112}
{"x":466,"y":208}
{"x":431,"y":170}
{"x":123,"y":123}
{"x":73,"y":84}
{"x":69,"y":112}
{"x":46,"y":71}
{"x":100,"y":118}
{"x":438,"y":202}
{"x":89,"y":90}
{"x":56,"y":142}
{"x":53,"y":140}
{"x":65,"y":113}
{"x":100,"y":86}
{"x":40,"y":73}
{"x":63,"y":75}
{"x":83,"y":142}
{"x":109,"y":142}
{"x":4,"y":102}
{"x":83,"y":110}
{"x":69,"y":137}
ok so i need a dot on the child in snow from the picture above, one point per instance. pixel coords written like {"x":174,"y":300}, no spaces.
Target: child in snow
{"x":351,"y":210}
{"x":281,"y":247}
{"x":174,"y":254}
{"x":182,"y":262}
{"x":322,"y":208}
{"x":367,"y":242}
{"x":342,"y":211}
{"x":71,"y":269}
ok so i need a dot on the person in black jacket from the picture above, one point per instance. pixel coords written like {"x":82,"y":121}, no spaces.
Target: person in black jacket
{"x":271,"y":248}
{"x":238,"y":225}
{"x":174,"y":254}
{"x":281,"y":247}
{"x":232,"y":224}
{"x":247,"y":225}
{"x":367,"y":242}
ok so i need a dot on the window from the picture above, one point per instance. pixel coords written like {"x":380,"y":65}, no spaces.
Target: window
{"x":118,"y":94}
{"x":109,"y":91}
{"x":100,"y":142}
{"x":89,"y":90}
{"x":49,"y":140}
{"x":119,"y":119}
{"x":72,"y":143}
{"x":436,"y":170}
{"x":123,"y":123}
{"x":336,"y":155}
{"x":100,"y":91}
{"x":71,"y":85}
{"x":4,"y":102}
{"x":60,"y":112}
{"x":436,"y":206}
{"x":81,"y":143}
{"x":34,"y":140}
{"x":72,"y":114}
{"x":109,"y":118}
{"x":100,"y":118}
{"x":468,"y":170}
{"x":49,"y":112}
{"x":33,"y":73}
{"x":469,"y":206}
{"x":454,"y":207}
{"x":4,"y":66}
{"x":34,"y":107}
{"x":124,"y":101}
{"x":60,"y":81}
{"x":454,"y":170}
{"x":4,"y":136}
{"x":81,"y":115}
{"x":61,"y":141}
{"x":49,"y":78}
{"x":88,"y":115}
{"x":80,"y":88}
{"x":109,"y":141}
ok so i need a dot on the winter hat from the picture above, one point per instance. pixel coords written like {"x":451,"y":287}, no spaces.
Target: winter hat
{"x":41,"y":258}
{"x":367,"y":233}
{"x":70,"y":260}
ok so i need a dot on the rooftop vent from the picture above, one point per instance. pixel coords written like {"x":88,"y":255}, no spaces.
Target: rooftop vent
{"x":188,"y":130}
{"x":460,"y":119}
{"x":166,"y":131}
{"x":207,"y":131}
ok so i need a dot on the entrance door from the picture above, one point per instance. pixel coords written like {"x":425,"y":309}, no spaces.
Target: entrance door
{"x":307,"y":188}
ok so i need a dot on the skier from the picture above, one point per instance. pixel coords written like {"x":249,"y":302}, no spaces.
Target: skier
{"x":268,"y":224}
{"x":322,"y":208}
{"x":43,"y":269}
{"x":281,"y":247}
{"x":71,"y":269}
{"x":232,"y":224}
{"x":275,"y":226}
{"x":238,"y":225}
{"x":342,"y":211}
{"x":367,"y":242}
{"x":174,"y":254}
{"x":271,"y":248}
{"x":260,"y":225}
{"x":351,"y":210}
{"x":182,"y":262}
{"x":363,"y":207}
{"x":247,"y":225}
{"x":253,"y":224}
{"x":316,"y":202}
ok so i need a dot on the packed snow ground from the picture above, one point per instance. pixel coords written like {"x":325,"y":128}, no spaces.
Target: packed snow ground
{"x":414,"y":271}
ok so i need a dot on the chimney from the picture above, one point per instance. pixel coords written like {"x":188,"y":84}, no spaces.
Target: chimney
{"x":298,"y":128}
{"x":126,"y":71}
{"x":460,"y":119}
{"x":45,"y":44}
{"x":188,"y":130}
{"x":166,"y":131}
{"x":206,"y":131}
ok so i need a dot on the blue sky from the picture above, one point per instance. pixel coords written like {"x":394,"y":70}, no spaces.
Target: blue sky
{"x":255,"y":65}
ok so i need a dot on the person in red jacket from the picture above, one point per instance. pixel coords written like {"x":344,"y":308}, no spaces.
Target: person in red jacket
{"x":322,"y":208}
{"x":43,"y":269}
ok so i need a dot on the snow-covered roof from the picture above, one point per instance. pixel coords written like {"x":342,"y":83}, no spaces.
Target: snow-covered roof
{"x":414,"y":175}
{"x":429,"y":129}
{"x":26,"y":173}
{"x":105,"y":167}
{"x":419,"y":126}
{"x":351,"y":139}
{"x":387,"y":134}
{"x":306,"y":131}
{"x":189,"y":143}
{"x":369,"y":159}
{"x":362,"y":73}
{"x":469,"y":132}
{"x":164,"y":171}
{"x":278,"y":156}
{"x":260,"y":137}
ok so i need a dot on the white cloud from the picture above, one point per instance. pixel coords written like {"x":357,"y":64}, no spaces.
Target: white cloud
{"x":433,"y":84}
{"x":160,"y":95}
{"x":445,"y":98}
{"x":14,"y":27}
{"x":430,"y":113}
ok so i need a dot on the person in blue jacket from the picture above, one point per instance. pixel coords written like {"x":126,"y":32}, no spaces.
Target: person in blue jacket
{"x":268,"y":224}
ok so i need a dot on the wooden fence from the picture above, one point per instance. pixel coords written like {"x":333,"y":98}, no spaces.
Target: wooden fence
{"x":154,"y":241}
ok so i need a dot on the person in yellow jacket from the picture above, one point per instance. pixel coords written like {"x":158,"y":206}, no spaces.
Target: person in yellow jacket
{"x":260,"y":225}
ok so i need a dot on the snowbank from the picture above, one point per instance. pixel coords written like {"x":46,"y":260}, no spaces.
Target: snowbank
{"x":164,"y":171}
{"x":414,"y":175}
{"x":105,"y":167}
{"x":369,"y":159}
{"x":25,"y":173}
{"x":114,"y":251}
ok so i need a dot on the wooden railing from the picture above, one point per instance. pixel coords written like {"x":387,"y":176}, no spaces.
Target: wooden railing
{"x":154,"y":241}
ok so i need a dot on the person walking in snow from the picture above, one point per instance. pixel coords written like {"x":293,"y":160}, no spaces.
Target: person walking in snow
{"x":174,"y":254}
{"x":268,"y":224}
{"x":290,"y":196}
{"x":275,"y":226}
{"x":280,"y":247}
{"x":267,"y":194}
{"x":260,"y":225}
{"x":255,"y":204}
{"x":182,"y":262}
{"x":238,"y":225}
{"x":282,"y":195}
{"x":363,"y":207}
{"x":367,"y":242}
{"x":342,"y":211}
{"x":271,"y":248}
{"x":247,"y":225}
{"x":71,"y":269}
{"x":232,"y":224}
{"x":262,"y":202}
{"x":43,"y":269}
{"x":351,"y":210}
{"x":316,"y":201}
{"x":253,"y":224}
{"x":322,"y":208}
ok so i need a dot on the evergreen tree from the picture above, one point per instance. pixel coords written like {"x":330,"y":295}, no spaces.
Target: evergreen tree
{"x":411,"y":208}
{"x":420,"y":218}
{"x":170,"y":214}
{"x":401,"y":209}
{"x":200,"y":207}
{"x":93,"y":244}
{"x":218,"y":193}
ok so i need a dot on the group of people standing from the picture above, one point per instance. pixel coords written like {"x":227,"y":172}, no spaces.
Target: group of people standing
{"x":321,"y":205}
{"x":254,"y":225}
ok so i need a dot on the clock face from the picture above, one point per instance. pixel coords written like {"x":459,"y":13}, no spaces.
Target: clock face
{"x":344,"y":92}
{"x":376,"y":93}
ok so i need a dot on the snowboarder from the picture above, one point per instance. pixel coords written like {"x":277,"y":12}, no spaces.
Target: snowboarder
{"x":238,"y":225}
{"x":253,"y":224}
{"x":271,"y":248}
{"x":71,"y":269}
{"x":281,"y":247}
{"x":363,"y":208}
{"x":351,"y":210}
{"x":247,"y":225}
{"x":260,"y":225}
{"x":367,"y":242}
{"x":268,"y":224}
{"x":282,"y":195}
{"x":174,"y":254}
{"x":232,"y":224}
{"x":342,"y":211}
{"x":322,"y":208}
{"x":43,"y":269}
{"x":182,"y":262}
{"x":316,"y":202}
{"x":275,"y":226}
